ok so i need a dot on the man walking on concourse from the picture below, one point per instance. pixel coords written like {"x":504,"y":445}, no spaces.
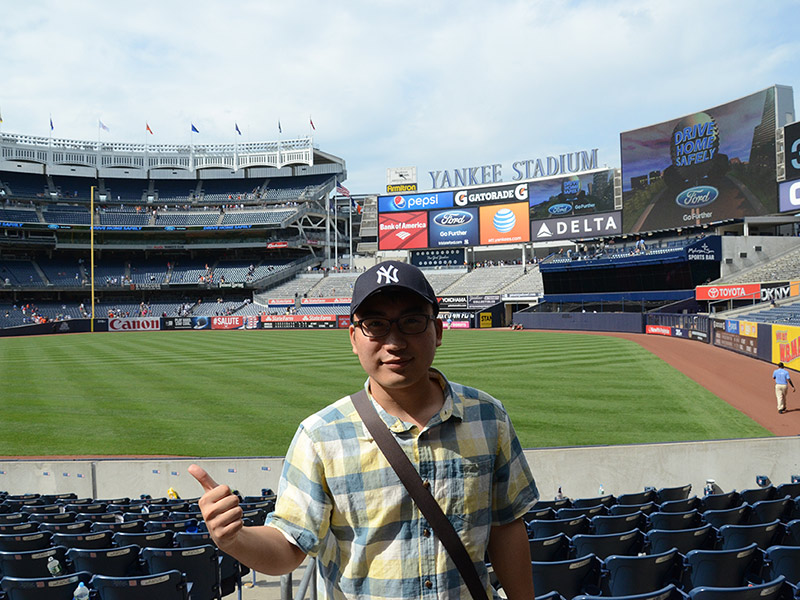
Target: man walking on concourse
{"x":340,"y":500}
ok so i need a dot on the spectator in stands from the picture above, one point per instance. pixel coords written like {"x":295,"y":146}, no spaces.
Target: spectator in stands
{"x":782,"y":382}
{"x":335,"y":500}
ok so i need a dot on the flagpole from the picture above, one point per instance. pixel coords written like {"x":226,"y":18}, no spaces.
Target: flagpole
{"x":91,"y":244}
{"x":327,"y":230}
{"x":335,"y":233}
{"x":351,"y":235}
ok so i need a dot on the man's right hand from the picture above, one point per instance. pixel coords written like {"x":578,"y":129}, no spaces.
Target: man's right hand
{"x":220,"y":508}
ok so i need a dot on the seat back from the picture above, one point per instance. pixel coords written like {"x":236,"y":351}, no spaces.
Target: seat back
{"x":38,"y":540}
{"x":669,"y":592}
{"x":57,"y":517}
{"x":568,"y":577}
{"x":550,"y":527}
{"x":76,"y":527}
{"x":739,"y":536}
{"x":685,"y":540}
{"x":720,"y":501}
{"x":772,"y":590}
{"x":19,"y":528}
{"x":159,"y":539}
{"x":606,"y":500}
{"x":125,"y":526}
{"x":627,"y":544}
{"x":585,"y":511}
{"x":549,"y":549}
{"x":626,"y":509}
{"x":788,"y":489}
{"x":43,"y":588}
{"x":674,"y":520}
{"x":793,"y":533}
{"x":721,"y":568}
{"x":169,"y":585}
{"x":186,"y":525}
{"x":628,"y":575}
{"x":766,"y":511}
{"x":13,"y":518}
{"x":754,"y":495}
{"x":31,"y":564}
{"x":604,"y":524}
{"x":680,"y":506}
{"x":673,"y":493}
{"x":783,"y":560}
{"x":727,"y":516}
{"x":115,"y":562}
{"x":199,"y":564}
{"x":98,"y":539}
{"x":636,"y":498}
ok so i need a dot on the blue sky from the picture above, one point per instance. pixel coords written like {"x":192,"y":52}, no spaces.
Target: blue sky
{"x":436,"y":85}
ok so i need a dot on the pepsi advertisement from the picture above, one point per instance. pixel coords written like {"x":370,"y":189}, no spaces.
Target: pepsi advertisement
{"x":584,"y":194}
{"x":453,"y":228}
{"x":412,"y":202}
{"x":705,"y":167}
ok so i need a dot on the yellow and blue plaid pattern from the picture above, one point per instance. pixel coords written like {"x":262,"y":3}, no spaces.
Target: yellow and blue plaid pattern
{"x":340,"y":500}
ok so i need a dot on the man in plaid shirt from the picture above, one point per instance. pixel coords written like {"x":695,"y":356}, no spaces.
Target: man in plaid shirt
{"x":340,"y":500}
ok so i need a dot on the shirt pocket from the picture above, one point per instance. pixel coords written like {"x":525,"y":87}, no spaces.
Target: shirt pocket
{"x":471,"y":500}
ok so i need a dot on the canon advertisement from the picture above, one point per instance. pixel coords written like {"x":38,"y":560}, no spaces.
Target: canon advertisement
{"x":704,"y":167}
{"x":588,"y":193}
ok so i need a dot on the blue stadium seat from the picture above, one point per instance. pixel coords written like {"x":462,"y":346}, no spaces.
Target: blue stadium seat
{"x":542,"y":528}
{"x":637,"y":497}
{"x":739,"y":536}
{"x":785,"y":561}
{"x":679,"y":506}
{"x":667,"y":494}
{"x":626,"y":509}
{"x":737,"y":515}
{"x":170,"y":585}
{"x":602,"y":524}
{"x":550,"y":549}
{"x":38,"y":540}
{"x":32,"y":563}
{"x":89,"y":541}
{"x":720,"y":501}
{"x":668,"y":593}
{"x":628,"y":543}
{"x":674,"y":520}
{"x":115,"y":562}
{"x":43,"y":588}
{"x":629,"y":575}
{"x":568,"y":577}
{"x":722,"y":568}
{"x":158,"y":539}
{"x":200,"y":565}
{"x":685,"y":540}
{"x":765,"y":511}
{"x":777,"y":589}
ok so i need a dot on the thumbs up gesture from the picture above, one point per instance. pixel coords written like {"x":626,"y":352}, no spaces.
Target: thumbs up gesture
{"x":220,"y":508}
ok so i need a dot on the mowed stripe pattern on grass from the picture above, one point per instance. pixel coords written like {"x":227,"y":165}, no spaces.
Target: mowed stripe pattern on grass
{"x":243,"y":393}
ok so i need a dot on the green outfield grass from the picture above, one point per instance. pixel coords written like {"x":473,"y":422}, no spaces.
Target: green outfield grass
{"x":242,"y":393}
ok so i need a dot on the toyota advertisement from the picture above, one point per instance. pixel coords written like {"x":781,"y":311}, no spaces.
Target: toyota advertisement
{"x":712,"y":165}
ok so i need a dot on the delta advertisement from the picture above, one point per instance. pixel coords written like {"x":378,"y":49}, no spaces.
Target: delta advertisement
{"x":705,"y":167}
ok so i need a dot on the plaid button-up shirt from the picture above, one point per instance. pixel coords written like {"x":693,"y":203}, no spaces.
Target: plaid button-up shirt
{"x":340,"y":500}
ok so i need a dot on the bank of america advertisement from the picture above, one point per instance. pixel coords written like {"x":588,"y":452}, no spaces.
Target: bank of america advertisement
{"x":708,"y":166}
{"x":403,"y":231}
{"x":583,"y":194}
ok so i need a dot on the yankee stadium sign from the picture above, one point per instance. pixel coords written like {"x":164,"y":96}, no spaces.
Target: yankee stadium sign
{"x":573,"y":162}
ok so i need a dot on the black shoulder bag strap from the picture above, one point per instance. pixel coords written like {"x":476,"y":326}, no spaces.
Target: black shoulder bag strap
{"x":419,"y":493}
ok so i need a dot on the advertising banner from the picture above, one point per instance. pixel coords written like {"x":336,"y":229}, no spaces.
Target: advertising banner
{"x":412,"y":202}
{"x":491,"y":195}
{"x":658,"y":330}
{"x":743,"y":291}
{"x":456,"y":227}
{"x":789,"y":196}
{"x":402,"y":231}
{"x":748,"y":329}
{"x":486,"y":320}
{"x":709,"y":248}
{"x":299,"y":321}
{"x":786,"y":345}
{"x":176,"y":323}
{"x":504,"y":224}
{"x":446,"y":302}
{"x":440,"y":257}
{"x":135,"y":324}
{"x":201,"y":323}
{"x":230,"y":322}
{"x":711,"y":165}
{"x":736,"y":342}
{"x":583,"y":226}
{"x":460,"y":325}
{"x":343,"y":321}
{"x":791,"y":141}
{"x":483,"y":301}
{"x":587,"y":193}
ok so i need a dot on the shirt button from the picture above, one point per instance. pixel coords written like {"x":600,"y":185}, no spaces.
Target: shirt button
{"x":426,"y":484}
{"x":426,"y":532}
{"x":428,"y":583}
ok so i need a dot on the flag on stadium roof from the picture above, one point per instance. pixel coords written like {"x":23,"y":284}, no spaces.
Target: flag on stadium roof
{"x":1,"y":117}
{"x":237,"y":128}
{"x":194,"y":129}
{"x":312,"y":123}
{"x":340,"y":189}
{"x":147,"y":127}
{"x":279,"y":126}
{"x":51,"y":122}
{"x":102,"y":125}
{"x":355,"y":206}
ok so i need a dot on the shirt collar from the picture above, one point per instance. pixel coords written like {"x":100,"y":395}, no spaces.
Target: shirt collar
{"x":453,"y":406}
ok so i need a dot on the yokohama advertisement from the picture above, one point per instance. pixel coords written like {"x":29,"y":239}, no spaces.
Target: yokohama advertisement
{"x":135,"y":324}
{"x":728,"y":292}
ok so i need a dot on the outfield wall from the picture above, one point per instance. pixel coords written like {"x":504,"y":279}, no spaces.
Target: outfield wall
{"x":580,"y":471}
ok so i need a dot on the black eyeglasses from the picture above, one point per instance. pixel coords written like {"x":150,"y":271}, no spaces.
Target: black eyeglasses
{"x":375,"y":327}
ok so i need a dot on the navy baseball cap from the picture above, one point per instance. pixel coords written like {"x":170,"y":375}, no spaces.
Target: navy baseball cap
{"x":392,"y":275}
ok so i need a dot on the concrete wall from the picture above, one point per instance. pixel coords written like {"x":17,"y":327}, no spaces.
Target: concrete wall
{"x":733,"y":464}
{"x":771,"y":248}
{"x":576,"y":321}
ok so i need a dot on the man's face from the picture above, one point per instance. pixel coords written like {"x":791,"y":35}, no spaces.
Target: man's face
{"x":396,"y":361}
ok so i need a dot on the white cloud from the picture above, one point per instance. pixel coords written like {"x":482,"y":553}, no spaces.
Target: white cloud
{"x":432,"y":84}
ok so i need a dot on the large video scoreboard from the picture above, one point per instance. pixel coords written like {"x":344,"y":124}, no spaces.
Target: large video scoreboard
{"x":536,"y":210}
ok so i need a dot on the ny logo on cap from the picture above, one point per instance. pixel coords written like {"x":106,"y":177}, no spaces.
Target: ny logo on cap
{"x":388,"y":273}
